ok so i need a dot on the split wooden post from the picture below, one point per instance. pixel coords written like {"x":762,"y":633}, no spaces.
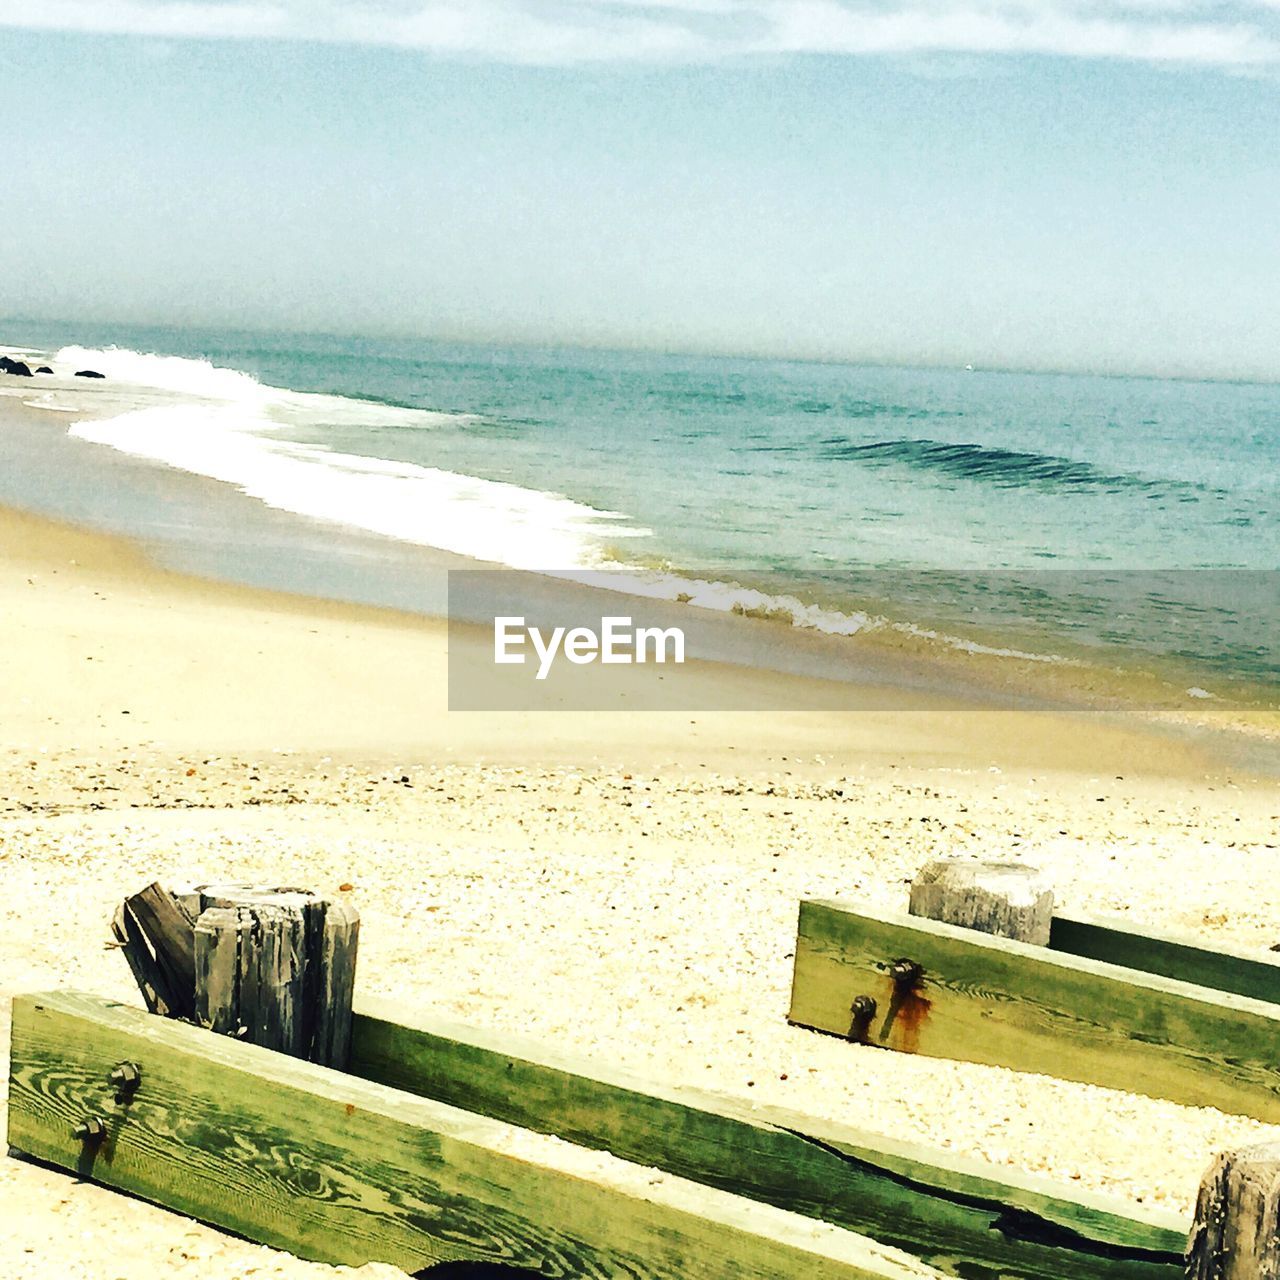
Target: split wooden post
{"x":221,"y":939}
{"x":1005,"y":899}
{"x":1236,"y":1235}
{"x":275,"y":967}
{"x":154,"y":930}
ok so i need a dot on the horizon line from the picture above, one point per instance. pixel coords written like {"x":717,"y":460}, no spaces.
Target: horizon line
{"x":676,"y":351}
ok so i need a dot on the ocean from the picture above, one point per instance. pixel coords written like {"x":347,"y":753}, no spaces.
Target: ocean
{"x":1045,"y":518}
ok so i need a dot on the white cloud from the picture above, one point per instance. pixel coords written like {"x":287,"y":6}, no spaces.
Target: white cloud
{"x":1224,"y":33}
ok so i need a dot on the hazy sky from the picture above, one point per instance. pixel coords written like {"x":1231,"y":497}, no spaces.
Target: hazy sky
{"x":1057,"y":183}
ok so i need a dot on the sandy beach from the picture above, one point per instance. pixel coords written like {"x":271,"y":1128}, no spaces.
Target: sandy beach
{"x":622,"y":885}
{"x":898,"y":385}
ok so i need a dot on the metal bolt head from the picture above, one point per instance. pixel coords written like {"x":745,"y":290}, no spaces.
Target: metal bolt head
{"x":125,"y":1076}
{"x":90,"y":1129}
{"x":864,"y":1007}
{"x":905,"y":972}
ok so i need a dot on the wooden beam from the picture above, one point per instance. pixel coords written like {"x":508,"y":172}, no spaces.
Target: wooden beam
{"x":953,"y":1214}
{"x":343,"y":1170}
{"x":1223,"y":968}
{"x":951,"y":993}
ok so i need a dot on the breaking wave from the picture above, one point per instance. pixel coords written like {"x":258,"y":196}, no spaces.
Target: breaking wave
{"x":1007,"y":468}
{"x":226,"y":425}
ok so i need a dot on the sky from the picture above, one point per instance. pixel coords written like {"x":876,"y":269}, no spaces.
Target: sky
{"x":1062,"y":184}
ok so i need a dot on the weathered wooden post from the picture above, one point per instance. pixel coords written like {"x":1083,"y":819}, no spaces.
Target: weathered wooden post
{"x":275,"y":967}
{"x":1236,"y":1234}
{"x":1006,"y":899}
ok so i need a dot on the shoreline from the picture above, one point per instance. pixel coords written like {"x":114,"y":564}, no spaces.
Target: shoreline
{"x":322,"y":557}
{"x":758,"y":666}
{"x":157,"y":646}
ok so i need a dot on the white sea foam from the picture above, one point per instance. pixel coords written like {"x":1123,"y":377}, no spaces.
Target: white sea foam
{"x":178,"y":374}
{"x":748,"y":602}
{"x":51,"y":404}
{"x":485,"y":519}
{"x":228,"y":426}
{"x":196,"y":379}
{"x":732,"y":597}
{"x":972,"y":646}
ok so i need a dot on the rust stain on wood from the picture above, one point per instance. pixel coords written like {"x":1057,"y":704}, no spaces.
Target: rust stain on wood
{"x":909,"y":1008}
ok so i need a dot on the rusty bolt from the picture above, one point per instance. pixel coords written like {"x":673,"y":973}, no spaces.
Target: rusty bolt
{"x":905,"y":972}
{"x":864,"y":1007}
{"x":125,"y":1077}
{"x":90,"y":1129}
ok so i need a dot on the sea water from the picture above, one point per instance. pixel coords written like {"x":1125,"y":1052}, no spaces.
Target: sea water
{"x":1040,"y":516}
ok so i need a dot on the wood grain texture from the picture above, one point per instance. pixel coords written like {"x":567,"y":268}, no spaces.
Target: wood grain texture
{"x":151,"y":979}
{"x":952,"y":1214}
{"x":221,"y":937}
{"x":995,"y":1001}
{"x":169,"y":932}
{"x":1222,"y":968}
{"x":274,"y":967}
{"x":272,"y":974}
{"x":336,"y":949}
{"x":1237,"y":1229}
{"x":296,"y":967}
{"x":347,"y":1171}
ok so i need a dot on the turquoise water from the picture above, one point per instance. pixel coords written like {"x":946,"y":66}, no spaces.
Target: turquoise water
{"x":1055,"y":509}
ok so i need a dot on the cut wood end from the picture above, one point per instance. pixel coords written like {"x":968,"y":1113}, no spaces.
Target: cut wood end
{"x":990,"y":873}
{"x":1003,"y":898}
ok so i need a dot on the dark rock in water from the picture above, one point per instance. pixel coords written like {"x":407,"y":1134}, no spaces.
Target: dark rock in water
{"x":18,"y":368}
{"x":44,"y":368}
{"x":89,"y":373}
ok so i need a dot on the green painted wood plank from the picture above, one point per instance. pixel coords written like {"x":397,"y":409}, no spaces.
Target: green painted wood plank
{"x":343,"y":1170}
{"x":1244,"y":973}
{"x":1004,"y":1003}
{"x":949,"y":1212}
